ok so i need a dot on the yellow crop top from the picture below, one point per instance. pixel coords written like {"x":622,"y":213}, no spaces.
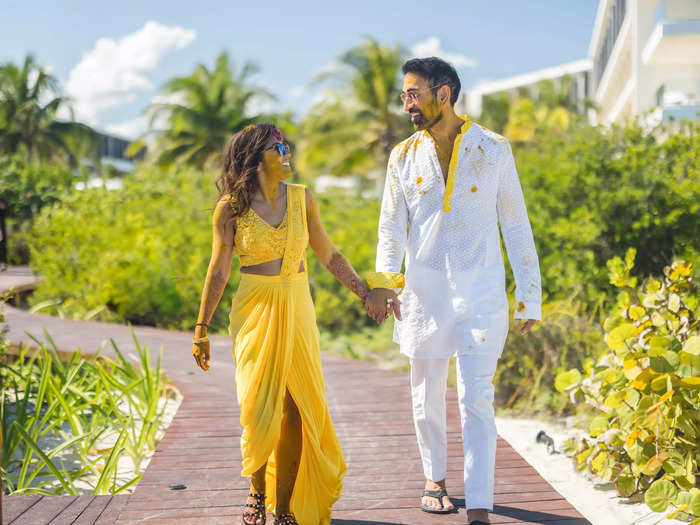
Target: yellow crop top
{"x":258,"y":242}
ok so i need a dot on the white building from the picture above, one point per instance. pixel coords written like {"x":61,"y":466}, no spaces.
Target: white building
{"x":578,"y":71}
{"x":644,"y":56}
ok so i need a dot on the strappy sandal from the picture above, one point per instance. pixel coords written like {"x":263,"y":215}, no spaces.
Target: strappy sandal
{"x":437,"y":494}
{"x":258,"y":512}
{"x":285,"y":519}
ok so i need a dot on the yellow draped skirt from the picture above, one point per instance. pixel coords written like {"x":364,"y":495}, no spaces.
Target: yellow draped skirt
{"x":276,"y":348}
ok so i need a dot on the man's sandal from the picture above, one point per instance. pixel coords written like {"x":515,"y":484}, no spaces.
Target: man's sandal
{"x":257,"y":512}
{"x":285,"y":519}
{"x":438,"y":495}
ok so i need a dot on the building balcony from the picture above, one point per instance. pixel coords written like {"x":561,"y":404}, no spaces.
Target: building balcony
{"x":675,"y":37}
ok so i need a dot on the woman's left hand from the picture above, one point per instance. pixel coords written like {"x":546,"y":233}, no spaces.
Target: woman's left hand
{"x":200,"y":352}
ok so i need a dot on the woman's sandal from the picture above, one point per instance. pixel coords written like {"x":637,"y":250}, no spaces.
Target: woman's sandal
{"x":258,"y":512}
{"x":285,"y":519}
{"x":438,"y":495}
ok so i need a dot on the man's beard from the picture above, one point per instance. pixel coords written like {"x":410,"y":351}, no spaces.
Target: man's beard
{"x":421,"y":123}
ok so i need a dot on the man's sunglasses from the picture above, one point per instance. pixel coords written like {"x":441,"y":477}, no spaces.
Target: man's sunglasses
{"x":281,"y":147}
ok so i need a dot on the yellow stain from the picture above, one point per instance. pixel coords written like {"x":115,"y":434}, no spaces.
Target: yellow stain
{"x":521,"y":306}
{"x":480,"y":148}
{"x":473,"y":189}
{"x":419,"y":180}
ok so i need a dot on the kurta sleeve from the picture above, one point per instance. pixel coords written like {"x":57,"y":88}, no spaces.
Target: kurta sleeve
{"x":392,"y":232}
{"x":520,"y":245}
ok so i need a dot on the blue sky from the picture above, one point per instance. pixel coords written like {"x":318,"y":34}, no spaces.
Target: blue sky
{"x":113,"y":58}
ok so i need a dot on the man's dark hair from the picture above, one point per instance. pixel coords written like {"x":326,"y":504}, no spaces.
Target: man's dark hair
{"x":437,"y":72}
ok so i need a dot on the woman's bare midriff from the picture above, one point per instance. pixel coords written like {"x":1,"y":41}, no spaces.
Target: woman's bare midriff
{"x":268,"y":268}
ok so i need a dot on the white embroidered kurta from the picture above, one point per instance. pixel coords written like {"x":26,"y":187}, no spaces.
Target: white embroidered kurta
{"x":454,"y":300}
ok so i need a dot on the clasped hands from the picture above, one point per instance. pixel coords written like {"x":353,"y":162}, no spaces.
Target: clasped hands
{"x":380,"y":303}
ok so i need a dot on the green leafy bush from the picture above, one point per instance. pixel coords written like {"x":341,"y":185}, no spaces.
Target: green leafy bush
{"x":567,"y":337}
{"x":26,"y":188}
{"x":644,"y":393}
{"x":593,"y":192}
{"x":352,"y":225}
{"x":141,"y":251}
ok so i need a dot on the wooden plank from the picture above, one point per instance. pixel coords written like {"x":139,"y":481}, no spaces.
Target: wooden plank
{"x":45,"y":510}
{"x":72,"y":511}
{"x":15,"y":504}
{"x":93,"y":511}
{"x":111,"y":513}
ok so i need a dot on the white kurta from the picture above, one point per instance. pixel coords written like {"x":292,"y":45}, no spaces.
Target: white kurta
{"x":455,"y":300}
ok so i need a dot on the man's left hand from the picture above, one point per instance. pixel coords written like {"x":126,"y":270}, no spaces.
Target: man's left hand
{"x":527,"y":325}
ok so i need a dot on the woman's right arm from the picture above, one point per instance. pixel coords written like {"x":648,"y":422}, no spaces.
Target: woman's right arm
{"x":224,"y":229}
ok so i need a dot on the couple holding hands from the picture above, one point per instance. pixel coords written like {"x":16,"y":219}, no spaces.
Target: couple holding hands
{"x":448,"y":187}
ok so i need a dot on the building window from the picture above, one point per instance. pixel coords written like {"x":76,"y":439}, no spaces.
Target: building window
{"x":612,"y":29}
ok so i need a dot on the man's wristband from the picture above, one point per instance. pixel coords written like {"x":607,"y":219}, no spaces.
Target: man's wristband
{"x":390,"y":280}
{"x":200,"y":339}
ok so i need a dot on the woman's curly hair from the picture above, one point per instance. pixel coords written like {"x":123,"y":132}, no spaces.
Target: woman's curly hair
{"x":243,"y":153}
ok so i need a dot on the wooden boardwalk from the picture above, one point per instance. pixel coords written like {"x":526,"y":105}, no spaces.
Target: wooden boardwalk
{"x":371,"y":409}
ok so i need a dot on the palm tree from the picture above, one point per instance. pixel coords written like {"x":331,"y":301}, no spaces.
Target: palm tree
{"x":211,"y":105}
{"x":29,"y":104}
{"x":362,"y":120}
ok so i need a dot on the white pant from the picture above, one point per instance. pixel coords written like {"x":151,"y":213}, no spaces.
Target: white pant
{"x":475,"y":389}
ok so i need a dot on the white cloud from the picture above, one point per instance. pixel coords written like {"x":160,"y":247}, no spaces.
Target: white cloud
{"x":135,"y":127}
{"x":115,"y":71}
{"x":430,"y":47}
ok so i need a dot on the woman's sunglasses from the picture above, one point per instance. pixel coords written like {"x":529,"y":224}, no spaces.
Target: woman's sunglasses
{"x":281,"y":147}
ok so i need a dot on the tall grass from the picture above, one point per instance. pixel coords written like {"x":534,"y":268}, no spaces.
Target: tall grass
{"x":67,"y":424}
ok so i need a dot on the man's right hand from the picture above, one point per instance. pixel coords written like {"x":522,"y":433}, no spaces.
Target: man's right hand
{"x":382,"y":302}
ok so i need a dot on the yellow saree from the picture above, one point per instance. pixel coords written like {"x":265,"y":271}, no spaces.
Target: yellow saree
{"x":276,"y":348}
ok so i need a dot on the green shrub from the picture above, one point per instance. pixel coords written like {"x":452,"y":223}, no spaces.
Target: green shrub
{"x":567,"y":337}
{"x":593,"y":192}
{"x":141,"y":251}
{"x":26,"y":188}
{"x":352,"y":225}
{"x":644,"y":393}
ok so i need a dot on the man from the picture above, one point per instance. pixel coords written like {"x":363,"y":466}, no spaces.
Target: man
{"x":447,"y":189}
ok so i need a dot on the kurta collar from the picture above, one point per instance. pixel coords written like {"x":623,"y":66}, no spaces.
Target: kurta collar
{"x":451,"y":172}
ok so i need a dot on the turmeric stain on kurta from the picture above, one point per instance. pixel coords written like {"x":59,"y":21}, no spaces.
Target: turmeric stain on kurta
{"x":521,"y":306}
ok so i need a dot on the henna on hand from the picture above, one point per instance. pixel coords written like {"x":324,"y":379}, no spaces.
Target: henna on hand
{"x":342,"y":270}
{"x":213,"y":290}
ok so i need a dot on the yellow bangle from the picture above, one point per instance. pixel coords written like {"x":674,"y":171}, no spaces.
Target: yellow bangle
{"x":386,"y":280}
{"x":200,"y":339}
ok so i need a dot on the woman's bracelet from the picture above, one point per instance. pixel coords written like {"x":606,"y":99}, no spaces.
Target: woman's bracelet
{"x":200,"y":339}
{"x":201,"y":324}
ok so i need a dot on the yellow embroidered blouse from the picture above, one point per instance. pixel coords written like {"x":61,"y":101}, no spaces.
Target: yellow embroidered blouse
{"x":258,"y":242}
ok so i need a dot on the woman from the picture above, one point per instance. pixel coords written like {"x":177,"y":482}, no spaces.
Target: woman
{"x":289,"y":445}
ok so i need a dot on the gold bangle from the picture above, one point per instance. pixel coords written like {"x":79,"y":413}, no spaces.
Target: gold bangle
{"x":200,"y":339}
